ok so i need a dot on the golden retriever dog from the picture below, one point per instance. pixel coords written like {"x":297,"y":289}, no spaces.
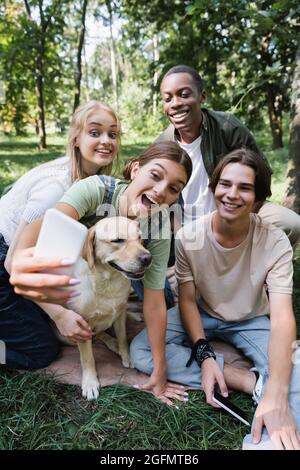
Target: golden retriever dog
{"x":113,"y":254}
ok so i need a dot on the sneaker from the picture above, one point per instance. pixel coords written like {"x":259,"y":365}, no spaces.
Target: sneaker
{"x":264,"y":444}
{"x":257,"y":391}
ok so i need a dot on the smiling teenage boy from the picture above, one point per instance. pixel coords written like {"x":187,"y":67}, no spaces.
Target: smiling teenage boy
{"x":234,"y":270}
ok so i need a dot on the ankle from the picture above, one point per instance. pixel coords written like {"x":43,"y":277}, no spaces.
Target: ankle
{"x":249,"y":383}
{"x":239,"y":379}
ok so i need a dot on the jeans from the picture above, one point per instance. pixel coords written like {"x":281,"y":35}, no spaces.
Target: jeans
{"x":30,"y":342}
{"x":139,"y":290}
{"x":250,"y":336}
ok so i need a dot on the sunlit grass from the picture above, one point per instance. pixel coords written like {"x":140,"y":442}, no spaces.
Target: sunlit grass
{"x":18,"y":155}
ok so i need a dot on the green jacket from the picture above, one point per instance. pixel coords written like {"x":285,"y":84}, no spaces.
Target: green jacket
{"x":221,"y":133}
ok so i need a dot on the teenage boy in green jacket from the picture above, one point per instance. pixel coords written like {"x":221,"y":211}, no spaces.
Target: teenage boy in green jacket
{"x":207,"y":136}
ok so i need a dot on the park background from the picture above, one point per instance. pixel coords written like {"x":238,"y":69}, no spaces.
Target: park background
{"x":57,"y":54}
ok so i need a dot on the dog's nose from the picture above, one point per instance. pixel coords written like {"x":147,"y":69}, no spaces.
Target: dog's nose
{"x":145,"y":259}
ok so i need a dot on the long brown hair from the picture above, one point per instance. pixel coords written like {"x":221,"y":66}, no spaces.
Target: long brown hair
{"x":78,"y":123}
{"x":166,"y":150}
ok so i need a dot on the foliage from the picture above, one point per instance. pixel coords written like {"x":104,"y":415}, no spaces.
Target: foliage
{"x":142,"y":123}
{"x":230,"y":43}
{"x":32,"y":45}
{"x":244,"y":50}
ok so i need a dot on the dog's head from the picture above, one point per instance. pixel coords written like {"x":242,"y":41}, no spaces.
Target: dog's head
{"x":117,"y":242}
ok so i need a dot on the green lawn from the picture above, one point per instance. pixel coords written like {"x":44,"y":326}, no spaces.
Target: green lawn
{"x":37,"y":412}
{"x":19,"y":155}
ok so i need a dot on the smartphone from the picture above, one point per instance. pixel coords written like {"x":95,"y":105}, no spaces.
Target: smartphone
{"x":229,"y":406}
{"x":60,"y":236}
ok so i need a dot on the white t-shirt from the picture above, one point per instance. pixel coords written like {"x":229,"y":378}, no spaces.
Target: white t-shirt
{"x":198,"y":198}
{"x":230,"y":282}
{"x":35,"y":192}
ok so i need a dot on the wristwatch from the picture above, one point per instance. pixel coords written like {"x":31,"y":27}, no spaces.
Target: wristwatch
{"x":201,"y":350}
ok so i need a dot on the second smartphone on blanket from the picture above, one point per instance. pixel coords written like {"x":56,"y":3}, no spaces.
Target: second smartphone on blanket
{"x":229,"y":406}
{"x":60,"y":236}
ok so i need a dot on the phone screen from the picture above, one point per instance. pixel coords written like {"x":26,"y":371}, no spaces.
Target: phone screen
{"x":230,"y":407}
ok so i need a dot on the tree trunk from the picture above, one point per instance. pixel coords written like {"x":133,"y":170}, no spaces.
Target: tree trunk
{"x":274,"y":102}
{"x":113,"y":57}
{"x":86,"y":75}
{"x":39,"y":88}
{"x":292,"y":195}
{"x":155,"y":76}
{"x":79,"y":54}
{"x":36,"y":127}
{"x":273,"y":99}
{"x":39,"y":79}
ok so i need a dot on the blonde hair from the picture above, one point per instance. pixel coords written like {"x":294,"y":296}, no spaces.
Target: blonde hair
{"x":78,"y":123}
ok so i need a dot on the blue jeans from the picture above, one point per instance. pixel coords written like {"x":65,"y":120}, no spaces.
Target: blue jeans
{"x":139,"y":290}
{"x":30,"y":342}
{"x":249,"y":336}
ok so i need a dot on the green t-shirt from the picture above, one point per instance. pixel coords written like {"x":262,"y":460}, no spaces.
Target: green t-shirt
{"x":86,"y":197}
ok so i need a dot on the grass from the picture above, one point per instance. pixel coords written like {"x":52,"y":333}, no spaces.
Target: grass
{"x":37,"y":412}
{"x":278,"y":159}
{"x":18,"y":155}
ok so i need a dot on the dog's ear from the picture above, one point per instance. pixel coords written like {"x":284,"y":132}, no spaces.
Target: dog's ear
{"x":88,"y":249}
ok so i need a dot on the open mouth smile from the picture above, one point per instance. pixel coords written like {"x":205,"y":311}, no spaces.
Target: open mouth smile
{"x":103,"y":152}
{"x":178,"y":116}
{"x":231,"y":206}
{"x":128,"y":274}
{"x":148,"y":202}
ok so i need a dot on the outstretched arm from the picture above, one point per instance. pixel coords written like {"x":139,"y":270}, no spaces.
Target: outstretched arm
{"x":27,"y":274}
{"x":156,"y":321}
{"x":191,"y":319}
{"x":273,"y":410}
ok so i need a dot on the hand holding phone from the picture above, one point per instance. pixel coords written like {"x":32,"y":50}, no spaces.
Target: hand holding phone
{"x":60,"y":236}
{"x":229,"y":406}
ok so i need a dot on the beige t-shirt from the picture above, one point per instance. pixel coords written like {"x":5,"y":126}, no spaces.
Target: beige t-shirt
{"x":231,"y":282}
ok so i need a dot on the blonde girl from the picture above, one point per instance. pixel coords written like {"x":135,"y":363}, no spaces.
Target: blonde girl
{"x":93,"y":145}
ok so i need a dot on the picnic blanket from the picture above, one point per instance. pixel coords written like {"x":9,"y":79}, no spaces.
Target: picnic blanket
{"x":110,"y":371}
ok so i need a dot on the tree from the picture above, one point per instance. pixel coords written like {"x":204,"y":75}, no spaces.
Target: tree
{"x":259,"y":45}
{"x":42,"y":30}
{"x":109,"y":6}
{"x":292,"y":195}
{"x":14,"y":106}
{"x":244,"y":50}
{"x":33,"y":51}
{"x":78,"y":73}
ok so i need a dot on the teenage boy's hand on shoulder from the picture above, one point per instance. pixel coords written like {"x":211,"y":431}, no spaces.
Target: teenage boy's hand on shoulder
{"x":212,"y":375}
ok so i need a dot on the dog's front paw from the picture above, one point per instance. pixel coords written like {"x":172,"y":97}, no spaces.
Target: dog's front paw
{"x":126,"y":361}
{"x":90,"y":387}
{"x":136,"y":316}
